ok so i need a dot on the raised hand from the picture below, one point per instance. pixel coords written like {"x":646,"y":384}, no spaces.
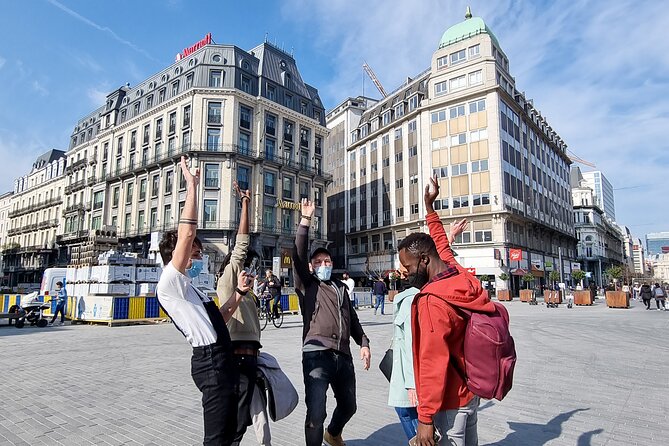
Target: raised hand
{"x":457,"y":228}
{"x":431,"y":194}
{"x":192,"y":180}
{"x":244,"y":281}
{"x":308,"y":208}
{"x":241,"y":193}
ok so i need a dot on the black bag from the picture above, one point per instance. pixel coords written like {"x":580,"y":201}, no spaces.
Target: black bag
{"x":386,"y":364}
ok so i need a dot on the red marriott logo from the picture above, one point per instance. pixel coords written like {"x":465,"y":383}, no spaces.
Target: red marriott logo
{"x":191,"y":49}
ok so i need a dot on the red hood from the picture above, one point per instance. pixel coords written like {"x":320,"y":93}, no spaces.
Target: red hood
{"x":462,"y":290}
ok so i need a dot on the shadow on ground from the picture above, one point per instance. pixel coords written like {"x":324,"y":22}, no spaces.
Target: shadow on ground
{"x":387,"y":435}
{"x":536,"y":434}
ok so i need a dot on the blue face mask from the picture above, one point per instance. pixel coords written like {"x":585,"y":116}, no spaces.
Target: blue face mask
{"x":324,"y":272}
{"x":196,"y":268}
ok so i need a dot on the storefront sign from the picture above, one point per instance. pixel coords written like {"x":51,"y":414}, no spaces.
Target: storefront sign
{"x":288,"y":205}
{"x":191,"y":49}
{"x":575,"y":266}
{"x":549,"y":266}
{"x":516,"y":255}
{"x":285,"y":259}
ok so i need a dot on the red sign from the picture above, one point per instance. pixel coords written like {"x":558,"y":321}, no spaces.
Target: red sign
{"x":191,"y":49}
{"x":471,"y":271}
{"x":516,"y":254}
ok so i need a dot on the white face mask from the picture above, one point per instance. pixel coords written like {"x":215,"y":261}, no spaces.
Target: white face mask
{"x":324,"y":272}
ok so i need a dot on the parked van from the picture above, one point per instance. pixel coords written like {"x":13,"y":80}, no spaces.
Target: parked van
{"x":49,"y":279}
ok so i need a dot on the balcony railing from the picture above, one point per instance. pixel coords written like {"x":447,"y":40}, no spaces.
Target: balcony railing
{"x":71,"y":236}
{"x":75,"y":186}
{"x":35,"y":207}
{"x":77,"y":163}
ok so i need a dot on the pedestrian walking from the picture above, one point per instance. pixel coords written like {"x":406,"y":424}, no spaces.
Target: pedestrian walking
{"x":61,"y":300}
{"x":350,"y":284}
{"x":660,"y":297}
{"x":329,"y":322}
{"x":200,"y":320}
{"x":380,"y":291}
{"x":646,"y":294}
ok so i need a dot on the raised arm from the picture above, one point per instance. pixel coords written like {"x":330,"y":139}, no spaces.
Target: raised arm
{"x":187,"y":220}
{"x":434,"y":224}
{"x":244,"y":282}
{"x":228,"y":281}
{"x":301,"y":248}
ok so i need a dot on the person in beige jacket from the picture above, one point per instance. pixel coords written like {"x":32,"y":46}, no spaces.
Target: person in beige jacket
{"x":243,"y":326}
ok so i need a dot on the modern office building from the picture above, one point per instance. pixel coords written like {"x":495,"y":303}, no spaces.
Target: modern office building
{"x":500,"y":165}
{"x":244,"y":116}
{"x":657,"y":243}
{"x":600,"y":241}
{"x":603,"y":192}
{"x":34,"y":221}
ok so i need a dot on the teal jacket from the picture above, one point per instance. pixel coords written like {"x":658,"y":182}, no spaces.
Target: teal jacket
{"x":402,"y":378}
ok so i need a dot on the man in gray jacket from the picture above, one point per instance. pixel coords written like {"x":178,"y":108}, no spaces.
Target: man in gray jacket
{"x":329,"y":323}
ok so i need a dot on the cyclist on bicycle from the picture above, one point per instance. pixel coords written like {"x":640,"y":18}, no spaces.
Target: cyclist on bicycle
{"x":272,"y":284}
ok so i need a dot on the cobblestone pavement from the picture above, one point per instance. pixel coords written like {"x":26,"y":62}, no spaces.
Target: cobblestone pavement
{"x":585,"y":376}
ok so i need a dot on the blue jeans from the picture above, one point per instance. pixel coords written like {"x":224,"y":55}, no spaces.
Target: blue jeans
{"x":380,"y":300}
{"x":323,"y":369}
{"x":60,"y":308}
{"x":408,"y":419}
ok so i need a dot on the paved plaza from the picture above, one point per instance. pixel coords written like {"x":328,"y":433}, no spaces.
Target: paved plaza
{"x":585,"y":376}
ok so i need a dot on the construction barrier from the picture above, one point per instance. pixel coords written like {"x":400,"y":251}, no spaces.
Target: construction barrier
{"x":9,"y":300}
{"x":289,"y":303}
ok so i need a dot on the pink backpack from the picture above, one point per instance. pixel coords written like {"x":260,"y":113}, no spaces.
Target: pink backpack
{"x":490,"y":353}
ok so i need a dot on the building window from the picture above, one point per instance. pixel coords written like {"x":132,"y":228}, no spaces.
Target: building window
{"x":129,"y":189}
{"x":318,"y":196}
{"x":386,"y":162}
{"x":398,"y":157}
{"x":216,"y":78}
{"x":318,"y":147}
{"x":458,"y":57}
{"x":399,"y":212}
{"x":477,"y":106}
{"x":214,"y":113}
{"x":288,"y":100}
{"x":461,"y":202}
{"x":459,"y":169}
{"x":153,"y":218}
{"x":186,"y":120}
{"x":189,"y":81}
{"x":175,"y":88}
{"x":442,"y":62}
{"x":213,"y":140}
{"x":246,"y":84}
{"x":128,"y":217}
{"x":149,"y":101}
{"x":245,"y":117}
{"x":474,"y":50}
{"x":169,"y":182}
{"x":270,"y":149}
{"x":211,"y":175}
{"x":271,"y":92}
{"x":270,"y":182}
{"x":159,"y":129}
{"x":456,"y":111}
{"x":399,"y":183}
{"x":96,"y":222}
{"x":287,"y":187}
{"x":210,"y":213}
{"x":440,"y":172}
{"x":141,"y":220}
{"x":305,"y":134}
{"x":478,"y":135}
{"x":413,"y":102}
{"x":97,"y":200}
{"x":172,"y":119}
{"x":167,"y":214}
{"x":145,"y":136}
{"x":270,"y":124}
{"x":476,"y":78}
{"x":244,"y":143}
{"x":142,"y":189}
{"x":465,"y":237}
{"x":161,"y":95}
{"x":440,"y":205}
{"x":286,"y":219}
{"x":304,"y":189}
{"x":399,"y":110}
{"x":303,"y":107}
{"x":459,"y":139}
{"x":440,"y":88}
{"x":438,"y":116}
{"x":413,"y":151}
{"x":244,"y":177}
{"x":457,"y":82}
{"x":412,"y":126}
{"x":482,"y":236}
{"x":386,"y":118}
{"x":413,"y":179}
{"x":481,"y":199}
{"x":136,"y":109}
{"x":268,"y":219}
{"x":155,"y":185}
{"x":398,"y":133}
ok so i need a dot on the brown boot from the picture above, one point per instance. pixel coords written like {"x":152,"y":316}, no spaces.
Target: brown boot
{"x":331,"y":440}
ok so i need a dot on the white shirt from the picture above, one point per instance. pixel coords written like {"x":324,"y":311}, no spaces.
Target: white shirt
{"x":350,"y":284}
{"x":183,"y":303}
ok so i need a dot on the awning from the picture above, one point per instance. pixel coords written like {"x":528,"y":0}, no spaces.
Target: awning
{"x":518,"y":272}
{"x":536,"y":272}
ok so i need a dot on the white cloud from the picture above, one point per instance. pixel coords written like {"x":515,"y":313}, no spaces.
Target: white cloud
{"x":22,"y":152}
{"x":2,"y":62}
{"x":40,"y":88}
{"x":592,"y":69}
{"x":98,"y":95}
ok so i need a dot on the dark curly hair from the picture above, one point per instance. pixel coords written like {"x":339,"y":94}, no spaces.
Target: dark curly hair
{"x":169,"y":242}
{"x":418,"y":244}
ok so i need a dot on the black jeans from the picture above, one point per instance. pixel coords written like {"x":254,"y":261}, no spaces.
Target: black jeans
{"x":322,"y":369}
{"x":213,"y":373}
{"x":247,"y":367}
{"x":60,"y":308}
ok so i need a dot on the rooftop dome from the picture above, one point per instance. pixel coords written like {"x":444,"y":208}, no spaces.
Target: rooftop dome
{"x":464,"y":30}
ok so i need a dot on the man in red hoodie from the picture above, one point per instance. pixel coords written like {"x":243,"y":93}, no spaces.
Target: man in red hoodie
{"x":444,"y":401}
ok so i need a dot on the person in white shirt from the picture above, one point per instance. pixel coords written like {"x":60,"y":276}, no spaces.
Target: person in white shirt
{"x":200,"y":320}
{"x":350,"y":284}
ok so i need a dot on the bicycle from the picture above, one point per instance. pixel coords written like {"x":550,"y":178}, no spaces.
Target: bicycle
{"x":265,"y":313}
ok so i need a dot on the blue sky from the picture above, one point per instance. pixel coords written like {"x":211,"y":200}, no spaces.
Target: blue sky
{"x":598,"y":70}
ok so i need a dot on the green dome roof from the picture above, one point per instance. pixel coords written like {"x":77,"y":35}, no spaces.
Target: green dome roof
{"x":464,"y":30}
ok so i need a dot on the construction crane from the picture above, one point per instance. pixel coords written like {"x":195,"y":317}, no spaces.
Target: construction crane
{"x":374,"y":79}
{"x":579,"y":160}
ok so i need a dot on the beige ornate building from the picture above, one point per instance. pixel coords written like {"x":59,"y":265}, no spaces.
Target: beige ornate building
{"x":244,"y":116}
{"x":34,"y":221}
{"x":499,"y":162}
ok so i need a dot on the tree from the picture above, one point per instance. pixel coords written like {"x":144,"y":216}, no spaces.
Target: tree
{"x":527,"y":278}
{"x":614,"y":273}
{"x":504,"y":277}
{"x":554,"y":276}
{"x":578,"y":275}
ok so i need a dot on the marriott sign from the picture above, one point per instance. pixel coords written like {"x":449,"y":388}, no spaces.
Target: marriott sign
{"x":191,"y":49}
